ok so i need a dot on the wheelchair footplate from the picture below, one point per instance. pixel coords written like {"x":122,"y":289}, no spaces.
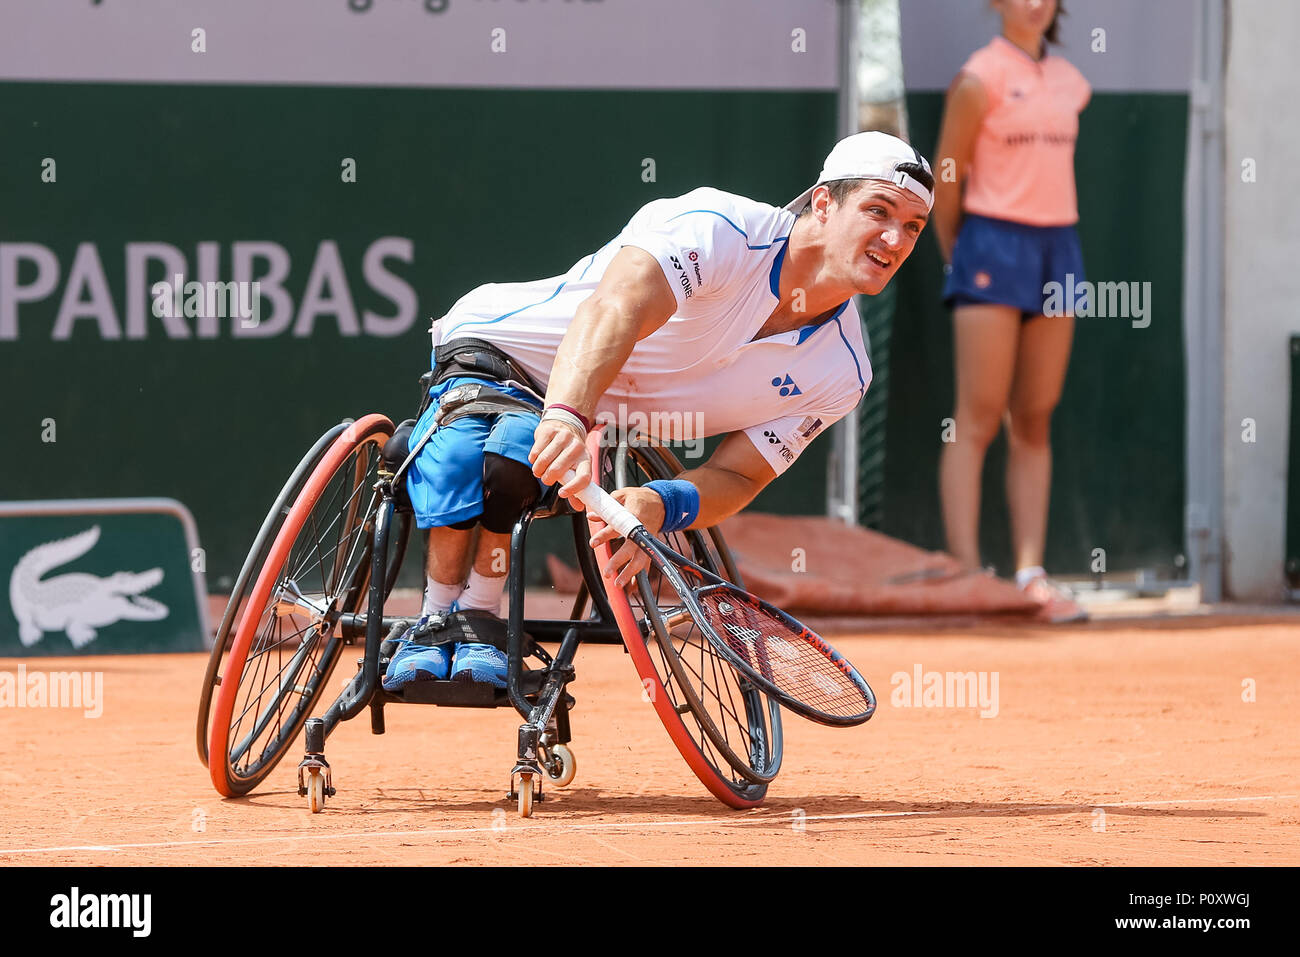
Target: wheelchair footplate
{"x":467,"y":626}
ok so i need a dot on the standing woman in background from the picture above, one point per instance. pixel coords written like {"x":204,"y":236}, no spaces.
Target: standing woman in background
{"x":1006,"y":228}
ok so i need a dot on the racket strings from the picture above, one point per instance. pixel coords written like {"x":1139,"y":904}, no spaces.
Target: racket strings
{"x":712,"y":680}
{"x":782,"y":655}
{"x":716,"y":684}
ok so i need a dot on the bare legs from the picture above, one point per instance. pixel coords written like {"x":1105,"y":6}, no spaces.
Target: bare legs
{"x":1040,"y":374}
{"x":984,"y":351}
{"x":448,"y":560}
{"x":449,"y":549}
{"x":1012,"y":371}
{"x":492,"y":557}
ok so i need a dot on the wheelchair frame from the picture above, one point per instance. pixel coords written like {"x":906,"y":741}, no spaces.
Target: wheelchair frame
{"x":539,"y":695}
{"x":550,"y":700}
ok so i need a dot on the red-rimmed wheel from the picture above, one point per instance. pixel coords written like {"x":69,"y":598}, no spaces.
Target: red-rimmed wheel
{"x":728,"y":733}
{"x":285,"y":646}
{"x":253,"y":563}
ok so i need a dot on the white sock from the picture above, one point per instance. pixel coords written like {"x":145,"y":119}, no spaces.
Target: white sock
{"x":438,"y":598}
{"x":483,"y":593}
{"x":1025,"y":575}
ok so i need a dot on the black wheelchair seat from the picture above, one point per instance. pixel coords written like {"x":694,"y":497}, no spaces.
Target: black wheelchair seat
{"x":393,"y":454}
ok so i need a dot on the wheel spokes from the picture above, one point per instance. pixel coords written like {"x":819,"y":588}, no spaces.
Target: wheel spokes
{"x":731,"y":731}
{"x":299,"y":621}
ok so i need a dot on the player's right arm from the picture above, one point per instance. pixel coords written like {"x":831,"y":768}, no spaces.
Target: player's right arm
{"x":632,"y":300}
{"x":964,"y":112}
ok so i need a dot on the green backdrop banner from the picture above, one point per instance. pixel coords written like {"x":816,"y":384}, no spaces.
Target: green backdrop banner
{"x":1118,"y":475}
{"x":363,"y":214}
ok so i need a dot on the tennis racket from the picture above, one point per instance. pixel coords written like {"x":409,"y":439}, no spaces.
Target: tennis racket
{"x":780,"y":655}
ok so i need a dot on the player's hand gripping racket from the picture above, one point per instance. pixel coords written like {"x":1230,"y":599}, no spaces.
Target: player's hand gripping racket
{"x":781,"y":656}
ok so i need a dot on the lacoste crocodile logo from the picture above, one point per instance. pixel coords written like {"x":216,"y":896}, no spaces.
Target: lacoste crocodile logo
{"x":77,"y":603}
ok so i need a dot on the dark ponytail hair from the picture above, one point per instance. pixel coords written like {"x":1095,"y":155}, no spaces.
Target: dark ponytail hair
{"x":1053,"y":33}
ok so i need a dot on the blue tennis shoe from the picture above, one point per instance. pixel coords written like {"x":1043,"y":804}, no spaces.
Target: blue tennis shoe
{"x":416,"y":657}
{"x":479,"y":662}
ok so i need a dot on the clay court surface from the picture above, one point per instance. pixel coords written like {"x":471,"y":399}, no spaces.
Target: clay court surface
{"x":1112,"y":744}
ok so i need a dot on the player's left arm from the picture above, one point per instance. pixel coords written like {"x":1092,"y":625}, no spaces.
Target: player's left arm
{"x":732,"y":477}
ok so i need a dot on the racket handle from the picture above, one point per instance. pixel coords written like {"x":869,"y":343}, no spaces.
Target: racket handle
{"x":602,"y":503}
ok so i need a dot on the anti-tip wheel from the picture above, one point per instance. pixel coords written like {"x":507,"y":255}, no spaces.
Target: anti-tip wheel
{"x":525,"y":795}
{"x":316,"y":792}
{"x":568,"y":766}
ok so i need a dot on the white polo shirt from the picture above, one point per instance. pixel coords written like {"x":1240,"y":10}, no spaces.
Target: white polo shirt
{"x":701,"y":373}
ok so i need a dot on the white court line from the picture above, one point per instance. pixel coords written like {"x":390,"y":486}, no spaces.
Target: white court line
{"x":782,"y":818}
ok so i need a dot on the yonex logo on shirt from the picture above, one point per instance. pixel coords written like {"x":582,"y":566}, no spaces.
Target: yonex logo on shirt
{"x":783,"y":451}
{"x":786,"y":386}
{"x":683,"y":278}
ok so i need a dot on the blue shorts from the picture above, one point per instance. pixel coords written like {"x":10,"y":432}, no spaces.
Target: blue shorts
{"x":996,"y":261}
{"x":445,"y":481}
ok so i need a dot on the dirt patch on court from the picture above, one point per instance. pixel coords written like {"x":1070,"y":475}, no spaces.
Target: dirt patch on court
{"x":1100,"y":744}
{"x":814,"y":567}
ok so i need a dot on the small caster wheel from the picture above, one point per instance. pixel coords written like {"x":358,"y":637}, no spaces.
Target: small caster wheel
{"x":562,"y":767}
{"x":525,"y":795}
{"x":316,"y":792}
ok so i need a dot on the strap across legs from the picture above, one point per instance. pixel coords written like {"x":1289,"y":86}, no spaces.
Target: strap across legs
{"x":470,"y":398}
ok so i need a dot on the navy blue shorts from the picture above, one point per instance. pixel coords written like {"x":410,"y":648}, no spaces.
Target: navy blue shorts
{"x":445,"y":481}
{"x":1011,"y":264}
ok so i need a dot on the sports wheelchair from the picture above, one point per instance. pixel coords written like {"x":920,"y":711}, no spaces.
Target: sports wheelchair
{"x":325,"y":561}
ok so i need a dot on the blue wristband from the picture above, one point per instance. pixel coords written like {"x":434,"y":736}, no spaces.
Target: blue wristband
{"x":681,"y":502}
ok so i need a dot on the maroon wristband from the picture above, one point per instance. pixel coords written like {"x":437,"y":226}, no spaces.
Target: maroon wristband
{"x":586,"y":422}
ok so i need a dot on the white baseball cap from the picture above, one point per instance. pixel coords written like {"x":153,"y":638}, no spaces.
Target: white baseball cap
{"x":873,"y":155}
